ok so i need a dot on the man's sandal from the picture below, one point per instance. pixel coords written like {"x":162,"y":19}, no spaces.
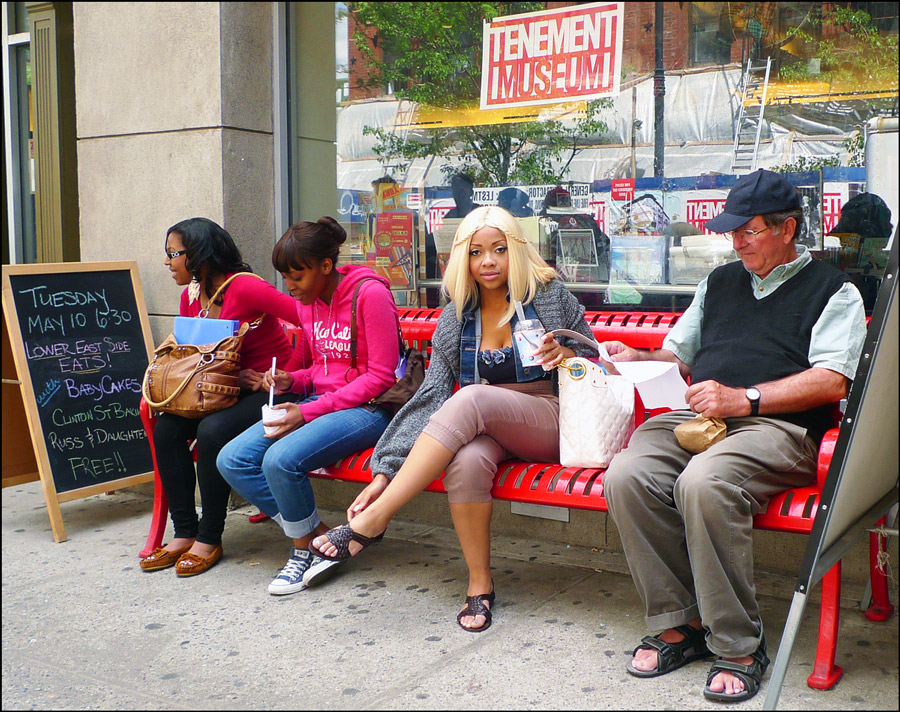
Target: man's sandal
{"x":751,"y":675}
{"x":340,"y":537}
{"x":475,"y":607}
{"x":672,"y":656}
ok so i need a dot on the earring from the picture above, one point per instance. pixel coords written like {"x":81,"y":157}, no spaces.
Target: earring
{"x":193,"y":291}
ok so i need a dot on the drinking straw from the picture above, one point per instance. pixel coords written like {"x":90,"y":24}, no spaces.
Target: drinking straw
{"x":519,"y":311}
{"x":272,"y":387}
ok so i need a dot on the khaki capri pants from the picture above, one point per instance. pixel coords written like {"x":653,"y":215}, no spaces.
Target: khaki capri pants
{"x":486,"y":424}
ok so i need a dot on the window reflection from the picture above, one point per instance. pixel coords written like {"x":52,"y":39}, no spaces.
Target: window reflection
{"x":413,"y":161}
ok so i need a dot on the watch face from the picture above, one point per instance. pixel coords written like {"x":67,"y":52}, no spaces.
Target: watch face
{"x":752,"y":393}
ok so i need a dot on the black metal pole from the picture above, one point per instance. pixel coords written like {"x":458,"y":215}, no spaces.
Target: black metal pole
{"x":659,"y":93}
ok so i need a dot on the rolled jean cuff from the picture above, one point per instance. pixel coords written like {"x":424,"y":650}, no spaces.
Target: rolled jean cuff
{"x":451,"y":439}
{"x":673,"y":619}
{"x":298,"y":530}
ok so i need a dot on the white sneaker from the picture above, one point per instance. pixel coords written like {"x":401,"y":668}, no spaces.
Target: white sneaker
{"x":290,"y":580}
{"x":320,"y":570}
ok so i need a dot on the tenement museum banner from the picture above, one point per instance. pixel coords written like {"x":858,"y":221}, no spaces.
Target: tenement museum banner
{"x":568,"y":54}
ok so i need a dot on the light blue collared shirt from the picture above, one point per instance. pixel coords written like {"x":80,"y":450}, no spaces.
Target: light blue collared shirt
{"x":837,"y":337}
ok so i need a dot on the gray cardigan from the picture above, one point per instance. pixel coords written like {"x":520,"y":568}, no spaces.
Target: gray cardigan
{"x":557,"y":309}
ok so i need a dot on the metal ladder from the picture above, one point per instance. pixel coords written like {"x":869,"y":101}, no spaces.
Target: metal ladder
{"x":750,"y":117}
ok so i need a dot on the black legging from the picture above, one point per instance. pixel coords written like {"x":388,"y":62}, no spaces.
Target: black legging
{"x":171,"y":438}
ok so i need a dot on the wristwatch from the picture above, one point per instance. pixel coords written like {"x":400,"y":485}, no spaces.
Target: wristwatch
{"x":753,"y":395}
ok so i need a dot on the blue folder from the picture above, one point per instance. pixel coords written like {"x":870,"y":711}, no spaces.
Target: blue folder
{"x":197,"y":331}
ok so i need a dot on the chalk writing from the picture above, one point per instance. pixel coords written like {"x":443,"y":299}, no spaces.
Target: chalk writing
{"x":49,"y":391}
{"x":85,"y":348}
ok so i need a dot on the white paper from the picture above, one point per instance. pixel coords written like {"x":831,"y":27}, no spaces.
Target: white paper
{"x":659,"y":382}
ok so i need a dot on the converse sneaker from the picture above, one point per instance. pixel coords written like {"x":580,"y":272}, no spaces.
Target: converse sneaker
{"x":320,"y":570}
{"x":290,"y":580}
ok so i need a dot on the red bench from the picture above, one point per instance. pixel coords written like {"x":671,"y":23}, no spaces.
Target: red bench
{"x":582,"y":488}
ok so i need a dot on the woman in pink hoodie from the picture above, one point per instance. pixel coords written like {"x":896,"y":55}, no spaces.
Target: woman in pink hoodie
{"x":333,"y":416}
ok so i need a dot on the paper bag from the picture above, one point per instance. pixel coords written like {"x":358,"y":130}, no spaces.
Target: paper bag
{"x":700,"y":433}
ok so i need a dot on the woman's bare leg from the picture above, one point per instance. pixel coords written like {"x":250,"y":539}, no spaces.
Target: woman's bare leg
{"x":472,"y":521}
{"x":425,"y":462}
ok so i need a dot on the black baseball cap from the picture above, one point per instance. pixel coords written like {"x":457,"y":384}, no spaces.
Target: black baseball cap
{"x":758,"y":193}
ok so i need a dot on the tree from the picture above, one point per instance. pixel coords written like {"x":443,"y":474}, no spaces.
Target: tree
{"x":856,"y":156}
{"x":431,"y":54}
{"x":852,"y":54}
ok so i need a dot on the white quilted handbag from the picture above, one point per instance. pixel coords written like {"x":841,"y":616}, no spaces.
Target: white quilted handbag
{"x":596,"y":412}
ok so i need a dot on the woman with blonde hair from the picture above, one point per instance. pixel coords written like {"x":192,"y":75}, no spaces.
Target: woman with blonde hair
{"x":503,"y":408}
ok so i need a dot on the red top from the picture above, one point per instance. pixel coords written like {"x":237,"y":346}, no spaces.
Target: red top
{"x":244,"y":300}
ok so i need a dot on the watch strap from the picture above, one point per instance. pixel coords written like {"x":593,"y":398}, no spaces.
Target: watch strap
{"x":754,"y":402}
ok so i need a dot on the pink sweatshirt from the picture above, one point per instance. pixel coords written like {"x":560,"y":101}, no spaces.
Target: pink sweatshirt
{"x":326,"y":330}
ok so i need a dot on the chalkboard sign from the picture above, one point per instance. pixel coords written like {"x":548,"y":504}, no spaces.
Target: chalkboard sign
{"x":80,"y":336}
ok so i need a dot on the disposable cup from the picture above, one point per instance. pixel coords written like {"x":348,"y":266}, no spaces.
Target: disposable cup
{"x":273,"y":416}
{"x":528,"y":335}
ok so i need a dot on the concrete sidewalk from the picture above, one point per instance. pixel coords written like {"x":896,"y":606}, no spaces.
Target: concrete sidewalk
{"x":85,"y":628}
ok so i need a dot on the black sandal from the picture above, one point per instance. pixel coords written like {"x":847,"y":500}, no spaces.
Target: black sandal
{"x":341,"y":537}
{"x":475,"y":607}
{"x":751,"y":675}
{"x":672,"y":656}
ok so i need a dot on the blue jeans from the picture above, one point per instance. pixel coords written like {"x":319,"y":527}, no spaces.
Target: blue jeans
{"x":272,"y":474}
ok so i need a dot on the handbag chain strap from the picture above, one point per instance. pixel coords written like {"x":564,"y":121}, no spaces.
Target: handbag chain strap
{"x":204,"y":313}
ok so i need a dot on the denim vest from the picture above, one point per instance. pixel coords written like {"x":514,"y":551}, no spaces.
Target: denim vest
{"x":471,"y":340}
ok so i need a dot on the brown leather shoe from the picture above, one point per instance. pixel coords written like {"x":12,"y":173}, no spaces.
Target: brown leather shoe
{"x":161,"y":558}
{"x":192,"y":564}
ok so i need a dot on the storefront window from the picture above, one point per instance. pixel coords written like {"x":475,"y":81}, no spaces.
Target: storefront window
{"x":21,"y":243}
{"x":619,"y":213}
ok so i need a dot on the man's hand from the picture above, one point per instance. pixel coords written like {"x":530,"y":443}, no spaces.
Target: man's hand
{"x":620,"y":352}
{"x":713,"y":400}
{"x":808,"y":389}
{"x":372,"y":492}
{"x":293,"y":419}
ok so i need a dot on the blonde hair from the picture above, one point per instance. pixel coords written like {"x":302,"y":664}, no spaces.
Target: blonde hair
{"x":527,"y":269}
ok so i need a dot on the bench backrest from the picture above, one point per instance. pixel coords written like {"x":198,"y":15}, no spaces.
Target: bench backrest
{"x":641,"y":330}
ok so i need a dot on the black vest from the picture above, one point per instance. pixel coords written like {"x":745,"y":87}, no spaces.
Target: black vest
{"x":745,"y":341}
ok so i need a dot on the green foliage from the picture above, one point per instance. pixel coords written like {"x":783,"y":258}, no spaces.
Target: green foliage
{"x":430,"y":53}
{"x":857,"y":54}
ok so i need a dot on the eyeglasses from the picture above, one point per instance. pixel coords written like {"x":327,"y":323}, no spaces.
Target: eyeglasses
{"x":746,"y":235}
{"x":173,"y":255}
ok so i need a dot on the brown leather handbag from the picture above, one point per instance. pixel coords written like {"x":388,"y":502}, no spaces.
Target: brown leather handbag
{"x":194,"y":381}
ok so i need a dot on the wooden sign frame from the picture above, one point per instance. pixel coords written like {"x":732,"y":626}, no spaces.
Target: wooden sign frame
{"x":39,"y":444}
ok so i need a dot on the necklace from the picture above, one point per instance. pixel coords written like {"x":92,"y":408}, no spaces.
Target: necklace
{"x":330,"y":323}
{"x":323,"y":354}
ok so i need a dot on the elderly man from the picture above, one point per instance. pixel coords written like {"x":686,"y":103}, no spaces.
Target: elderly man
{"x":771,"y":343}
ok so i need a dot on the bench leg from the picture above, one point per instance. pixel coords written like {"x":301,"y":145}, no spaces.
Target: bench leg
{"x":160,"y":502}
{"x":160,"y":517}
{"x":826,"y":674}
{"x":881,"y":608}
